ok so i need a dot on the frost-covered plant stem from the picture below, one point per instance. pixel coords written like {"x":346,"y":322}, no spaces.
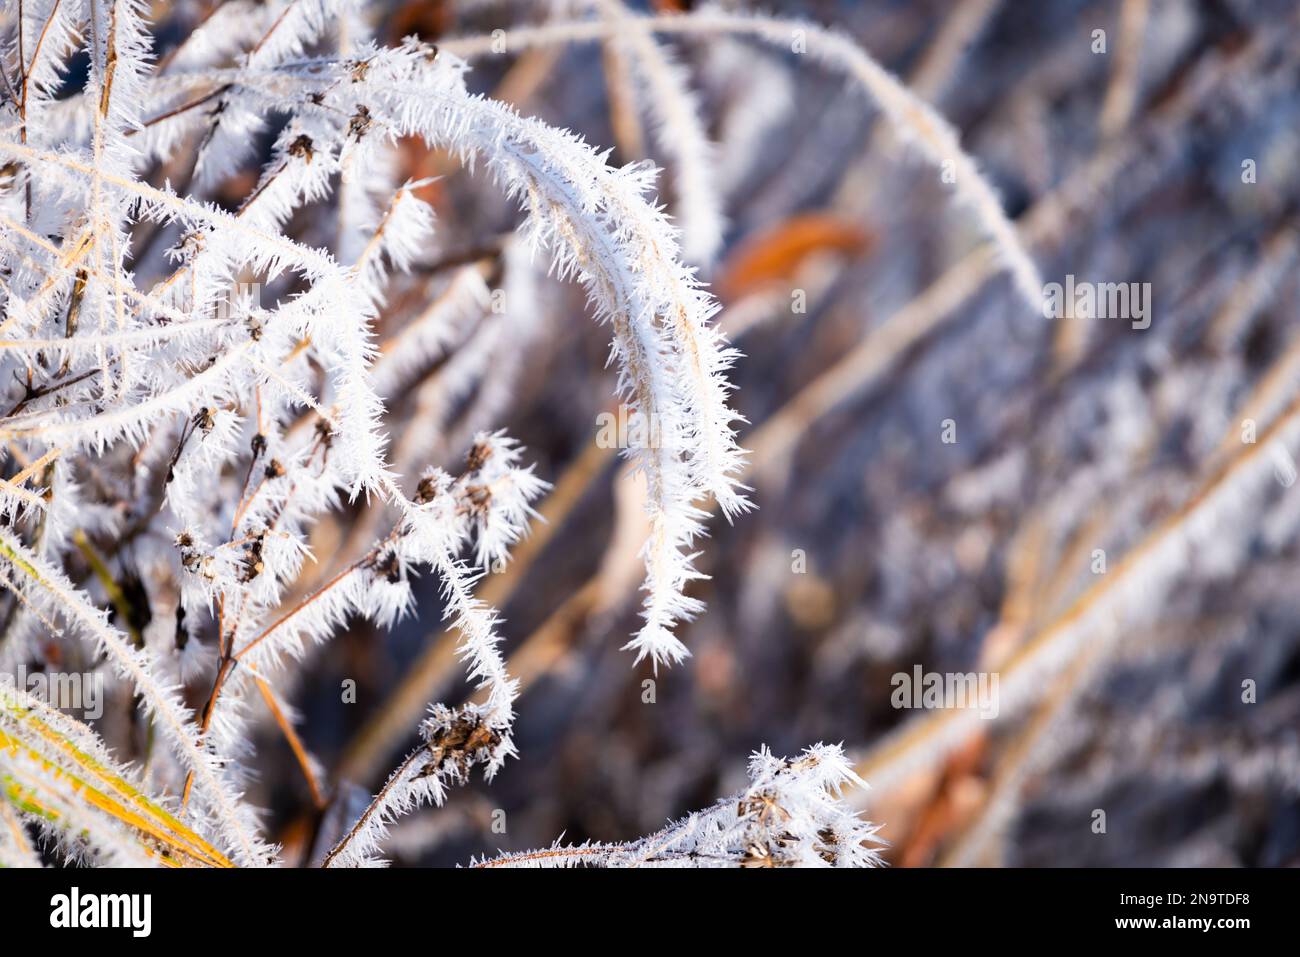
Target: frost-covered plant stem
{"x":790,"y":815}
{"x":911,"y":118}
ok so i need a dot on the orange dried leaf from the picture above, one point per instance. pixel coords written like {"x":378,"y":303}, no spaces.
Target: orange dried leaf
{"x":776,"y":253}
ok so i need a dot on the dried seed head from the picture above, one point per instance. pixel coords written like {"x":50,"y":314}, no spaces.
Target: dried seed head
{"x":828,"y":850}
{"x":479,"y":499}
{"x":360,"y":122}
{"x":302,"y":147}
{"x":389,"y":565}
{"x":457,"y":741}
{"x":763,"y":808}
{"x":427,"y":490}
{"x":478,"y":456}
{"x":252,"y":564}
{"x":190,"y":557}
{"x":757,"y":855}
